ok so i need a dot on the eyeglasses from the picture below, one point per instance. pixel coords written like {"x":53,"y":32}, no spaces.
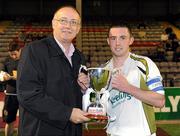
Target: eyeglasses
{"x":63,"y":21}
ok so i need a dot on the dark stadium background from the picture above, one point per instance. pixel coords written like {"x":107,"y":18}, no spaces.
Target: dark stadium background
{"x":28,"y":20}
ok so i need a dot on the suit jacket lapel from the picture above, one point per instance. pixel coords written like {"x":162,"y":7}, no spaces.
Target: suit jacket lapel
{"x":54,"y":49}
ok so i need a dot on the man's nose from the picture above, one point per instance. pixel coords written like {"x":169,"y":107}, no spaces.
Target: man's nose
{"x":118,"y":41}
{"x":68,"y":24}
{"x":14,"y":56}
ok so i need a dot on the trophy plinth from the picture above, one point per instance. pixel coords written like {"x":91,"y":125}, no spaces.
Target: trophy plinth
{"x":99,"y":78}
{"x":96,"y":111}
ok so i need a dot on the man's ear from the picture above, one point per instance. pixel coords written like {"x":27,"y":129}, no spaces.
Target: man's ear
{"x":53,"y":23}
{"x":78,"y":29}
{"x":107,"y":40}
{"x":131,"y":40}
{"x":9,"y":53}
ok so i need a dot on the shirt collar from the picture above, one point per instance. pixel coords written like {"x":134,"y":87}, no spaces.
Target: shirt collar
{"x":67,"y":53}
{"x":110,"y":64}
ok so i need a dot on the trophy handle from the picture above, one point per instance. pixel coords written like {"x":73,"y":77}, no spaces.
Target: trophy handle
{"x":83,"y":69}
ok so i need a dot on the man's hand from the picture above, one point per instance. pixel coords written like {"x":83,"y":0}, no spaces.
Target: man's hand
{"x":83,"y":81}
{"x":78,"y":116}
{"x":6,"y":76}
{"x":120,"y":82}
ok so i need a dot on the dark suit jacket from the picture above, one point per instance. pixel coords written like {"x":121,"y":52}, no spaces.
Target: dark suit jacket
{"x":48,"y":90}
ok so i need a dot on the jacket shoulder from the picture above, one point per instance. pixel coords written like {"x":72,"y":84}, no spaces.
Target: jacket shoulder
{"x":38,"y":47}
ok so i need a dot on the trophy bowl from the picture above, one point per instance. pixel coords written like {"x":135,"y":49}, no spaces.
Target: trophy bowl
{"x":99,"y":80}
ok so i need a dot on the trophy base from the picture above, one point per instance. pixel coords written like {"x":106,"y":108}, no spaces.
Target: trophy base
{"x":97,"y":117}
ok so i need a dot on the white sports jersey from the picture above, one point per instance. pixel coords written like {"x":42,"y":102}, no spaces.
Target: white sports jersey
{"x":128,"y":112}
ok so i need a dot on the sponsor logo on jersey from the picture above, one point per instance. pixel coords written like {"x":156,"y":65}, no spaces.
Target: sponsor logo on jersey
{"x":119,"y":97}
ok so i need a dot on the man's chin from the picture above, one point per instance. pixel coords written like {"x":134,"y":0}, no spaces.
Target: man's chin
{"x":67,"y":40}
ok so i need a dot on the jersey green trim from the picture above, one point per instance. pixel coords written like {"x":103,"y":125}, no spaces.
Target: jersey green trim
{"x":143,"y":61}
{"x":148,"y":109}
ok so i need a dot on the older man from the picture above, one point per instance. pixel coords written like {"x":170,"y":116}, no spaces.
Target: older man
{"x":48,"y":92}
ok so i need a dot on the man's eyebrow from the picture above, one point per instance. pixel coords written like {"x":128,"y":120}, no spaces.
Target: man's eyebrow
{"x":119,"y":36}
{"x":62,"y":17}
{"x":123,"y":36}
{"x":67,"y":18}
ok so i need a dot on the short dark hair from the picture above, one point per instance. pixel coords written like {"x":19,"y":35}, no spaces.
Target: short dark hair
{"x":120,"y":24}
{"x":14,"y":46}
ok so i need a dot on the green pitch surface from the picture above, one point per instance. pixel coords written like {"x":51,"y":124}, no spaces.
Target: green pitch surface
{"x":171,"y":129}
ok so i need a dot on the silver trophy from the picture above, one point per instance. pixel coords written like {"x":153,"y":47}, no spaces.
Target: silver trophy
{"x":99,"y":81}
